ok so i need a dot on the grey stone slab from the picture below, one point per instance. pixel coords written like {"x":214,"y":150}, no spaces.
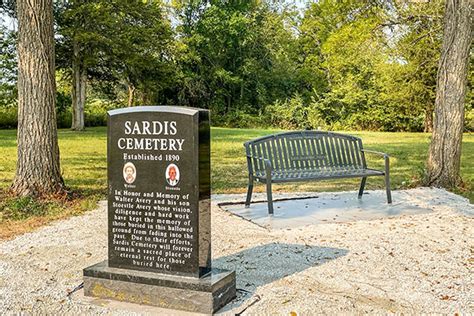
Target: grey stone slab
{"x":204,"y":295}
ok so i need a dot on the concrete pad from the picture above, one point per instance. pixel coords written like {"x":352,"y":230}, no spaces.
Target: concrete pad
{"x":337,"y":207}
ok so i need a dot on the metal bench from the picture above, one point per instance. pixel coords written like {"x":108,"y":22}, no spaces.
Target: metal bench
{"x":307,"y":156}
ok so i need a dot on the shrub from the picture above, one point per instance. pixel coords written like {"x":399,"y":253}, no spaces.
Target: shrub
{"x":241,"y":119}
{"x":315,"y":116}
{"x":8,"y":117}
{"x":469,"y":120}
{"x":95,"y":113}
{"x":289,"y":114}
{"x":64,"y":118}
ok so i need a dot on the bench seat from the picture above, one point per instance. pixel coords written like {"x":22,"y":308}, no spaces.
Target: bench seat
{"x":302,"y":175}
{"x":308,"y":156}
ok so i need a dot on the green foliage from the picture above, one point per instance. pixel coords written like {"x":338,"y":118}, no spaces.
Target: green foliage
{"x":233,"y":56}
{"x":8,"y":67}
{"x":9,"y":114}
{"x":241,"y":119}
{"x":469,"y":115}
{"x":335,"y":64}
{"x":8,"y":117}
{"x":119,"y":43}
{"x":95,"y":112}
{"x":380,"y":63}
{"x":289,"y":114}
{"x":469,"y":121}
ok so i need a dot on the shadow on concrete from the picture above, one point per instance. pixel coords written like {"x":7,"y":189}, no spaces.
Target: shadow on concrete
{"x":261,"y":265}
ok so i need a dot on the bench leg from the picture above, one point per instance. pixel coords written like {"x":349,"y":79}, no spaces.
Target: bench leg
{"x":249,"y":193}
{"x":387,"y":179}
{"x":269,"y":196}
{"x":362,"y":186}
{"x":387,"y":188}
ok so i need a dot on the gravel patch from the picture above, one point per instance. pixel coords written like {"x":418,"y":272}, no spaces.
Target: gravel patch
{"x":407,"y":264}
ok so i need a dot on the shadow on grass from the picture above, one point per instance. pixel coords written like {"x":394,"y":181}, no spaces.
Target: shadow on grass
{"x":262,"y":265}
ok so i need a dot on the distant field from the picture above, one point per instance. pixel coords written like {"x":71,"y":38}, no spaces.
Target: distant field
{"x":83,"y":163}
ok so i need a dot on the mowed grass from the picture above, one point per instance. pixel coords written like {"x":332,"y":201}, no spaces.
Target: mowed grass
{"x":84,"y":169}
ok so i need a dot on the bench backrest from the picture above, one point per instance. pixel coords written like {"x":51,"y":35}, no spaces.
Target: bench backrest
{"x":305,"y":150}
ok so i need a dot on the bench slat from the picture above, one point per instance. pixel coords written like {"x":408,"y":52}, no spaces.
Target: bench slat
{"x":293,"y":153}
{"x":320,"y":147}
{"x":299,"y":163}
{"x":357,"y":153}
{"x":339,"y":152}
{"x":336,"y":149}
{"x":253,"y":154}
{"x":260,"y":154}
{"x":267,"y":150}
{"x":307,"y":150}
{"x":301,"y":153}
{"x":330,"y":152}
{"x":285,"y":152}
{"x":316,"y":162}
{"x":310,"y":152}
{"x":277,"y":148}
{"x":347,"y":154}
{"x":350,"y":156}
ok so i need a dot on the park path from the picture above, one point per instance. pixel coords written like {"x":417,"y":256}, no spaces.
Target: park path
{"x":408,"y":264}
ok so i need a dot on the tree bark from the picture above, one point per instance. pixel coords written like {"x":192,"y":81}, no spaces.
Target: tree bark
{"x":445,"y":150}
{"x":38,"y":170}
{"x":131,"y":94}
{"x":79,"y":80}
{"x":428,"y":123}
{"x":146,"y":97}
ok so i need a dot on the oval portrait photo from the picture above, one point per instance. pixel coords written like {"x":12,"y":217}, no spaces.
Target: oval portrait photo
{"x":172,"y":174}
{"x":129,"y":172}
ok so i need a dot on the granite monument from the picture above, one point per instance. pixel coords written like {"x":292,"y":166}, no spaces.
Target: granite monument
{"x":159,"y":221}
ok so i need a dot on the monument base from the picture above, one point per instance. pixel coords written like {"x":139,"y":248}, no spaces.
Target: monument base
{"x":204,"y":295}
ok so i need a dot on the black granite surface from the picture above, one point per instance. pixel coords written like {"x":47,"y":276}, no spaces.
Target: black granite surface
{"x":157,"y":223}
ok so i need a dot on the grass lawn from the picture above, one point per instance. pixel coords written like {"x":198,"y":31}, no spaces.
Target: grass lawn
{"x":83,"y":164}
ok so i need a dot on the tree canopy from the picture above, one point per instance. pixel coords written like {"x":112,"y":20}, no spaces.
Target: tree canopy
{"x":333,"y":64}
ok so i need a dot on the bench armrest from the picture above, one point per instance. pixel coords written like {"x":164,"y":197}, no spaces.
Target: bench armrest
{"x":267,"y":163}
{"x":375,"y":152}
{"x":386,"y":158}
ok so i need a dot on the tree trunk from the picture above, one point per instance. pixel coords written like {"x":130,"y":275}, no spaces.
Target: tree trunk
{"x":37,"y":170}
{"x":78,"y":90}
{"x":131,"y":94}
{"x":146,"y":97}
{"x":445,"y":150}
{"x":428,"y":123}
